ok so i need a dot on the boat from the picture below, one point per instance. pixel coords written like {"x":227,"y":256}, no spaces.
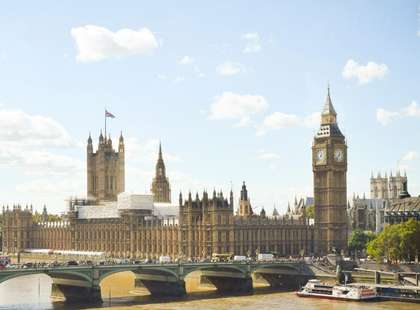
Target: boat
{"x":315,"y":288}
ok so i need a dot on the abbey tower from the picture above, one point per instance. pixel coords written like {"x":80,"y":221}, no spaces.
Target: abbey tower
{"x":329,"y":162}
{"x":105,"y":169}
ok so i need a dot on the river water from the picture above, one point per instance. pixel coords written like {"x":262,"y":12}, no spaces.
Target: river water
{"x":34,"y":292}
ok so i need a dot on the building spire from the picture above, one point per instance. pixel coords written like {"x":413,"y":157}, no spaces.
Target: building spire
{"x":328,"y":106}
{"x":160,"y":150}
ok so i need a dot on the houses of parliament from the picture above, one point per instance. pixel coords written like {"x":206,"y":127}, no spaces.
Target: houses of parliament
{"x":119,"y":224}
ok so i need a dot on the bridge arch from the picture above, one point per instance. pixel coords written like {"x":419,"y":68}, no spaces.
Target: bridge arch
{"x":5,"y":276}
{"x":286,"y":276}
{"x":136,"y":270}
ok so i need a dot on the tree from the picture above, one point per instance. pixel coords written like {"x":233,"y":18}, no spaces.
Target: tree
{"x":397,"y":242}
{"x":37,"y":217}
{"x":358,"y":241}
{"x":310,"y":211}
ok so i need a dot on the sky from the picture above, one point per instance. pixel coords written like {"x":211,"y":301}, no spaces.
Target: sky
{"x":232,"y":89}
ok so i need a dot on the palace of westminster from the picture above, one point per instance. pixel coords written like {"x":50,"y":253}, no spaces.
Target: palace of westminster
{"x":149,"y":225}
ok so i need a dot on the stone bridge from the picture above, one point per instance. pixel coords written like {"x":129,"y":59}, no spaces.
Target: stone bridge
{"x":82,"y":283}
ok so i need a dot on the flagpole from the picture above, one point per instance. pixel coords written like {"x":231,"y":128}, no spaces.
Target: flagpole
{"x":105,"y":122}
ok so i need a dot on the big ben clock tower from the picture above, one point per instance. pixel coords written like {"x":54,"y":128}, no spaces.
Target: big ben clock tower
{"x":329,"y":163}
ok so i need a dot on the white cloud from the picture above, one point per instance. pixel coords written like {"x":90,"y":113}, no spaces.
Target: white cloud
{"x":95,"y":43}
{"x":313,"y":120}
{"x":237,"y":107}
{"x":412,"y":155}
{"x":384,"y":117}
{"x":268,"y":156}
{"x":412,"y":109}
{"x":20,"y":128}
{"x":253,"y":42}
{"x":39,"y":162}
{"x":162,"y":76}
{"x":364,"y":74}
{"x":277,"y":120}
{"x":186,"y":60}
{"x":230,"y":68}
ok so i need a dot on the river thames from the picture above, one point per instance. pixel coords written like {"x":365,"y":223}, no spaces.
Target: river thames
{"x":33,"y":292}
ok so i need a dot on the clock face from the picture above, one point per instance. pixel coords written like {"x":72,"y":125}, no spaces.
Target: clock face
{"x":320,"y":155}
{"x":338,"y":155}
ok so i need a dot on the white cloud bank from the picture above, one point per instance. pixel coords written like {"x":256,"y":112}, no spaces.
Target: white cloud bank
{"x":279,"y":120}
{"x":253,"y":43}
{"x":18,"y":127}
{"x":412,"y":155}
{"x":240,"y":108}
{"x":230,"y":68}
{"x":186,"y":60}
{"x":384,"y":117}
{"x":237,"y":107}
{"x":95,"y":43}
{"x":364,"y":73}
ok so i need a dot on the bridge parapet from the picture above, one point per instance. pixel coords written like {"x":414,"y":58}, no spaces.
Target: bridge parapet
{"x":77,"y":283}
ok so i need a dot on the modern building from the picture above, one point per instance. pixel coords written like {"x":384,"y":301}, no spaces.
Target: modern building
{"x":329,"y":162}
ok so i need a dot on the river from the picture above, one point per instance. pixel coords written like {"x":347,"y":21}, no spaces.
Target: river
{"x":33,"y":292}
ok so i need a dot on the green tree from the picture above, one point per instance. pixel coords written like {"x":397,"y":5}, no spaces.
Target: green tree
{"x":310,"y":211}
{"x":358,"y":241}
{"x":397,"y":242}
{"x":37,"y":217}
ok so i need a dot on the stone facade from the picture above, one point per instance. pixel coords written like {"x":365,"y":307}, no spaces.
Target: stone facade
{"x":195,"y":228}
{"x":367,"y":214}
{"x":384,"y":187}
{"x":161,"y":188}
{"x":105,"y":169}
{"x":329,"y":162}
{"x":204,"y":226}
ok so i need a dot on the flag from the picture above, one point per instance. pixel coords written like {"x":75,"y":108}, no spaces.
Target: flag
{"x":108,"y":114}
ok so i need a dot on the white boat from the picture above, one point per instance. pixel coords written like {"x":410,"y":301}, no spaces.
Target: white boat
{"x":317,"y":289}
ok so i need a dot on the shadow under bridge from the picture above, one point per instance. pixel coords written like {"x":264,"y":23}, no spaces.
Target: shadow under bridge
{"x":283,"y":276}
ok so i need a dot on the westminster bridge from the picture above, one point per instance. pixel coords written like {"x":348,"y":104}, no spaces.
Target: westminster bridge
{"x":82,"y":283}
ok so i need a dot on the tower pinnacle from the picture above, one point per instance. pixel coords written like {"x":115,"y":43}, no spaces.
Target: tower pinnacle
{"x":329,"y":116}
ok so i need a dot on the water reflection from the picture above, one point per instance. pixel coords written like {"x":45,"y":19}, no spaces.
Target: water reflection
{"x":118,"y":292}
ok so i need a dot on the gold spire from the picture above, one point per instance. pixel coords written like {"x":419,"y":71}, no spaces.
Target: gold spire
{"x":329,"y":116}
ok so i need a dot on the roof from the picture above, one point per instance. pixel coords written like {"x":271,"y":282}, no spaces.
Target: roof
{"x":328,"y":106}
{"x":406,"y":205}
{"x":329,"y":130}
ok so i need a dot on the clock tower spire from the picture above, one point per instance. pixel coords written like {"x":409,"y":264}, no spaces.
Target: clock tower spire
{"x":329,"y":163}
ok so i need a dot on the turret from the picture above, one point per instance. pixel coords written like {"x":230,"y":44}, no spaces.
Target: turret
{"x":121,"y":144}
{"x":244,"y":192}
{"x":101,"y":138}
{"x":180,"y":199}
{"x":44,"y":214}
{"x":89,"y":145}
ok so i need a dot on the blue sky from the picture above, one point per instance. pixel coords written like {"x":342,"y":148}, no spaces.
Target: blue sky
{"x":231,"y":90}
